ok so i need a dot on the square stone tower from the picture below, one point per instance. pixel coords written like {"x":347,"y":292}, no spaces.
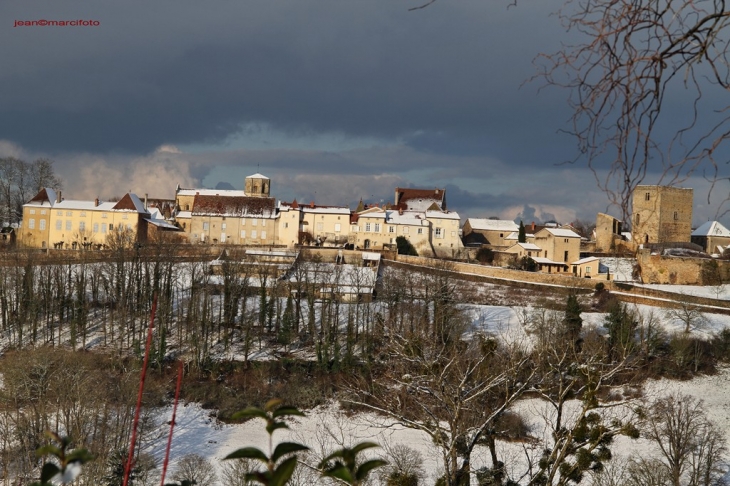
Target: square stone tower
{"x":257,"y":185}
{"x":661,"y":214}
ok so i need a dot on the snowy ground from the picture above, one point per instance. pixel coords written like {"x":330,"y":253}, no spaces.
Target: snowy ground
{"x":328,"y":428}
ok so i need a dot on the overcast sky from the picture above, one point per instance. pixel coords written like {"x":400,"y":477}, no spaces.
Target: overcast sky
{"x":334,"y":100}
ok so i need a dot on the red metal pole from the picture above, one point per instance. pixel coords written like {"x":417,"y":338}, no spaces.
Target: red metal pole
{"x":172,"y":423}
{"x":128,"y":466}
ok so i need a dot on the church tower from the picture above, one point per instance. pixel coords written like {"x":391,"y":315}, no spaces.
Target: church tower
{"x":258,"y":185}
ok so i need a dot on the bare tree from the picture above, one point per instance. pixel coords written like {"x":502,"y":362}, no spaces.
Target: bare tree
{"x":630,"y":56}
{"x":692,"y":449}
{"x":688,"y":314}
{"x":194,"y":467}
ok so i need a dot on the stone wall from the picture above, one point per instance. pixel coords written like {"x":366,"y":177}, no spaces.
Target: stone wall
{"x":658,"y":269}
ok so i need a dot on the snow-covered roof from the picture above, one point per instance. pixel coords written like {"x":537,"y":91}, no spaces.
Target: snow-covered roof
{"x":515,"y":235}
{"x":712,"y":228}
{"x":369,"y":255}
{"x":326,"y":209}
{"x":546,"y":261}
{"x":211,"y":192}
{"x":562,"y":233}
{"x":257,"y":176}
{"x":162,"y":224}
{"x":442,"y":215}
{"x":493,"y":224}
{"x":410,"y":218}
{"x":585,"y":260}
{"x":528,"y":246}
{"x":184,"y":214}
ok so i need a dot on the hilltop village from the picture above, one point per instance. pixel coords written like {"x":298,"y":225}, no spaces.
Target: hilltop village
{"x":667,"y":248}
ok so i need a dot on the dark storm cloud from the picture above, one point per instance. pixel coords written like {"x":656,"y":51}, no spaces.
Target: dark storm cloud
{"x":445,"y":79}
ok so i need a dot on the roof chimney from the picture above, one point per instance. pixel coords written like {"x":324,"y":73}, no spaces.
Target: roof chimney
{"x":96,"y":202}
{"x":58,"y":197}
{"x":145,"y":201}
{"x":311,"y":204}
{"x":533,"y":226}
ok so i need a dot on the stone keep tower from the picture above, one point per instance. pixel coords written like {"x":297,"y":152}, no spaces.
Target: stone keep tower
{"x":257,"y":185}
{"x":661,"y":214}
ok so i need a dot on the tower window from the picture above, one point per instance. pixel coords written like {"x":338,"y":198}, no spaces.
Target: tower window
{"x":647,"y":196}
{"x":676,"y":215}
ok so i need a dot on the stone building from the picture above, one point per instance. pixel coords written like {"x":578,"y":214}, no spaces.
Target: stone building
{"x":608,"y":233}
{"x":661,"y":214}
{"x":49,"y":220}
{"x":712,"y":236}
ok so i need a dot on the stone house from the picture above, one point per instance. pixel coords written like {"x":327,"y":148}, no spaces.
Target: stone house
{"x":490,"y":232}
{"x":559,"y":246}
{"x":712,"y":236}
{"x":661,"y":214}
{"x":234,"y":220}
{"x":313,"y":224}
{"x":49,"y":220}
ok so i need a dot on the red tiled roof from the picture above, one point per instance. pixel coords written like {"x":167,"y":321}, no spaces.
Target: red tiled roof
{"x":233,"y":206}
{"x":404,"y":195}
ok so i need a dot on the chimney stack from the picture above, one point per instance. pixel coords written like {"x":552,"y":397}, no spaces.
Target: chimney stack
{"x":145,"y":201}
{"x":58,"y":197}
{"x":533,"y":226}
{"x":96,"y":202}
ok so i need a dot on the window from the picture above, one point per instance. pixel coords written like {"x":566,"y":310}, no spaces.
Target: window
{"x":647,"y":196}
{"x":320,"y":226}
{"x":111,"y":227}
{"x":367,"y":227}
{"x":223,"y":226}
{"x":82,"y":226}
{"x":405,"y":229}
{"x":565,"y":257}
{"x":32,"y":211}
{"x":43,"y":224}
{"x":31,"y":223}
{"x":206,"y":226}
{"x":253,"y":234}
{"x":129,"y":227}
{"x":420,"y":231}
{"x":243,"y":234}
{"x":566,"y":240}
{"x":96,"y":227}
{"x":103,"y":227}
{"x":263,"y":234}
{"x":453,"y":233}
{"x":68,"y":225}
{"x":83,"y":214}
{"x":43,"y":211}
{"x":676,"y":215}
{"x":103,"y":215}
{"x":254,"y":222}
{"x":263,"y":222}
{"x":69,"y":213}
{"x":638,"y":219}
{"x":377,"y":227}
{"x":59,"y":224}
{"x":588,"y":270}
{"x":337,"y":227}
{"x":59,"y":213}
{"x":391,"y":229}
{"x":124,"y":216}
{"x":286,"y":225}
{"x":439,"y":233}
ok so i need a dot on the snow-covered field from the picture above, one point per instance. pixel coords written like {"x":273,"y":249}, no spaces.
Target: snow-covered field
{"x":196,"y":432}
{"x":328,"y":428}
